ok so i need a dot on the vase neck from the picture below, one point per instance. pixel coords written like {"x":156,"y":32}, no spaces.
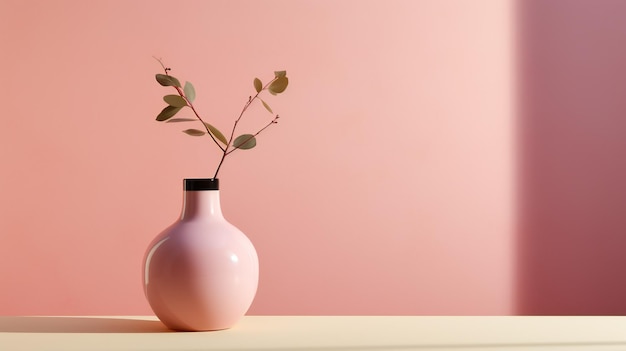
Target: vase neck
{"x":201,"y":204}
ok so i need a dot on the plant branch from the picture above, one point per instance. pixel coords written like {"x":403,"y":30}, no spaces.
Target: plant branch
{"x":274,"y":121}
{"x":226,"y":151}
{"x":229,"y":146}
{"x":245,"y":108}
{"x":208,"y":131}
{"x":182,"y":94}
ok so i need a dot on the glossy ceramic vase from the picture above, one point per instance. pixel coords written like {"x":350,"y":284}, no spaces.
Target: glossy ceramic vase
{"x":201,"y":273}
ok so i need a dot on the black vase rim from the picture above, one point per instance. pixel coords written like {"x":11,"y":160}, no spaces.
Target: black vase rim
{"x":200,"y":184}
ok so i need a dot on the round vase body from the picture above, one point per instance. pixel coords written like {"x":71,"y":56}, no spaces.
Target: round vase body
{"x":201,"y":273}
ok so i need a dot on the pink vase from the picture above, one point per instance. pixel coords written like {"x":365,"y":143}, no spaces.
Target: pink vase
{"x":200,"y":273}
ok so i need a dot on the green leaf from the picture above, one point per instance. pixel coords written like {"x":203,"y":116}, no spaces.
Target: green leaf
{"x":190,"y":91}
{"x":267,"y":107}
{"x":167,"y":80}
{"x":175,"y":100}
{"x":167,"y":113}
{"x":280,"y":74}
{"x":258,"y":86}
{"x":216,"y":133}
{"x":176,"y":120}
{"x":279,"y":85}
{"x":245,"y":142}
{"x":193,"y":132}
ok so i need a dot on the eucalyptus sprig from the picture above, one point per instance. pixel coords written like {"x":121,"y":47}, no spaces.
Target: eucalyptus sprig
{"x":185,"y":95}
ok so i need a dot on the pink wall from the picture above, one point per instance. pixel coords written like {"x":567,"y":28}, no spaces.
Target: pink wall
{"x":572,"y":234}
{"x":386,"y":188}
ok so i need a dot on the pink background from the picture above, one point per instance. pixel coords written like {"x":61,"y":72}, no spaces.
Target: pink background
{"x":388,"y":187}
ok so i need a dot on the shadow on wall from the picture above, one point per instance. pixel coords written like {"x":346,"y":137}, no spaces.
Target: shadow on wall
{"x":572,"y":125}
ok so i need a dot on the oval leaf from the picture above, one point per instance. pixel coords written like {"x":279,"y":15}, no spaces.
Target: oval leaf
{"x":258,"y":86}
{"x":167,"y":80}
{"x":175,"y":100}
{"x":193,"y":132}
{"x":167,"y":113}
{"x":245,"y":142}
{"x":280,"y":74}
{"x":267,"y":107}
{"x":190,"y":91}
{"x":216,"y":133}
{"x":279,"y":85}
{"x":175,"y":120}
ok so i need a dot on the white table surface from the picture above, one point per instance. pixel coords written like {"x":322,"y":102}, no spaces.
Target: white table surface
{"x":313,"y":333}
